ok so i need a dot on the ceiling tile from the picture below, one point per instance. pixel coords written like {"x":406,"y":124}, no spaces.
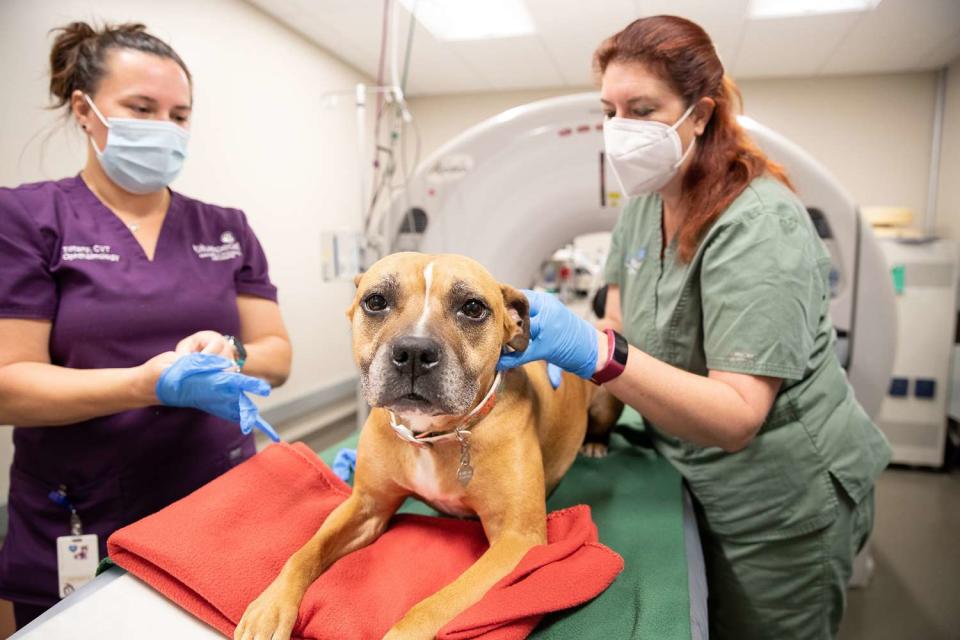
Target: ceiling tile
{"x":897,"y":35}
{"x":790,"y":46}
{"x":357,"y":27}
{"x":571,"y":34}
{"x":435,"y":67}
{"x":943,"y":54}
{"x":510,"y":63}
{"x":723,"y":21}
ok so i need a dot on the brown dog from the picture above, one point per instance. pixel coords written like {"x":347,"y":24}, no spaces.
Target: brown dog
{"x":427,"y":333}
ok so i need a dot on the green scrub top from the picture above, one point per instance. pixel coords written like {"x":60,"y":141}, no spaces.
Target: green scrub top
{"x":754,"y":299}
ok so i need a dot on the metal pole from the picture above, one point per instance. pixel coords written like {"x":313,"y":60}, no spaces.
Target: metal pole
{"x":360,"y":93}
{"x":933,"y":183}
{"x":361,"y":100}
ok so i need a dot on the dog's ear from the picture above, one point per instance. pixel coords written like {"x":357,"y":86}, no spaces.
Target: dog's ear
{"x":516,"y":330}
{"x":353,"y":305}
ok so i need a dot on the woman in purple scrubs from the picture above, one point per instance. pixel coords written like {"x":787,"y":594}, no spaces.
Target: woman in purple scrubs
{"x":106,"y":278}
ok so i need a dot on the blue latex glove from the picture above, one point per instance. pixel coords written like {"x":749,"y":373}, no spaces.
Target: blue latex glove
{"x":204,"y":381}
{"x":557,"y":335}
{"x":344,"y":463}
{"x":555,"y":374}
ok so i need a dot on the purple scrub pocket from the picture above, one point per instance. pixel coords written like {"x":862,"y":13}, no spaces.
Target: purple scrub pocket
{"x":29,"y":558}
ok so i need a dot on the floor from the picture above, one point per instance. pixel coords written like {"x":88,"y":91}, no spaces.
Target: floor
{"x":915,"y":591}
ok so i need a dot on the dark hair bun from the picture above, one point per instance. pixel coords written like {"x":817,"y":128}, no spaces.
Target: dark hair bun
{"x":64,"y":57}
{"x":79,"y":53}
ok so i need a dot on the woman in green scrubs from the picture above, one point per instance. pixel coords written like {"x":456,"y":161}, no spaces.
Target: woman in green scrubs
{"x":719,"y":284}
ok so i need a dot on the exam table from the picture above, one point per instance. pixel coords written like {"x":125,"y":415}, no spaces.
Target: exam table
{"x":639,"y":505}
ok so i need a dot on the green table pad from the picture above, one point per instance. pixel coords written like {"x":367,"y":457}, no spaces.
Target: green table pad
{"x":637,"y":504}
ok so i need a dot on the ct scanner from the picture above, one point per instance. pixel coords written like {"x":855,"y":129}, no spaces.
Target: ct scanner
{"x":511,"y":190}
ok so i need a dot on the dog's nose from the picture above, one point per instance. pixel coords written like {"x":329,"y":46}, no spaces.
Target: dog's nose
{"x":415,"y":355}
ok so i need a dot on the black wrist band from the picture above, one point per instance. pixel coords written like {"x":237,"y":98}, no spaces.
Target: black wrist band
{"x":238,"y":348}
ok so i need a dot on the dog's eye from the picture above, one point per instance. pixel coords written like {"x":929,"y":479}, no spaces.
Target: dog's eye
{"x":474,"y":309}
{"x":375,"y":303}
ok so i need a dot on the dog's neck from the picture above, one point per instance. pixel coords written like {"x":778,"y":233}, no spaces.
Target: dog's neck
{"x":478,"y":413}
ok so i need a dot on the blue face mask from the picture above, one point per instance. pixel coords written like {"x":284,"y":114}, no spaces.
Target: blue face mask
{"x":141,"y":156}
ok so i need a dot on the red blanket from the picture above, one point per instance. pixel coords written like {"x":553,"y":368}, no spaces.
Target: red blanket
{"x":214,"y":551}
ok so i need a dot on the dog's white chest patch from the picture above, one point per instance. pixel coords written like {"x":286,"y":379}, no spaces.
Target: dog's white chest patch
{"x":425,"y":484}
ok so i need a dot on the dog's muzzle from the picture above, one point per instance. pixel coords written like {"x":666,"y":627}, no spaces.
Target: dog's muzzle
{"x":418,"y":374}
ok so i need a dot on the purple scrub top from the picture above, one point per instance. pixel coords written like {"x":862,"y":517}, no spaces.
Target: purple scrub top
{"x":66,"y":258}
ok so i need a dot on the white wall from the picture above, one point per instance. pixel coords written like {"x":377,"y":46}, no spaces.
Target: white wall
{"x":872,"y":131}
{"x":260,"y":142}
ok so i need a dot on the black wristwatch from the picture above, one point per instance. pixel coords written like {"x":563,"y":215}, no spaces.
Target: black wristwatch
{"x":241,"y":356}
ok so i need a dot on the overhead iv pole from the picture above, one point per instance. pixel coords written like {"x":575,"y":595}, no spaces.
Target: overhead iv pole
{"x":936,"y":143}
{"x":363,"y":409}
{"x":376,"y":177}
{"x":369,"y":242}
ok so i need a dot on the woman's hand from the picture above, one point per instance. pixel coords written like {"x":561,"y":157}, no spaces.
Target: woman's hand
{"x":145,"y":376}
{"x":559,"y":336}
{"x":209,"y":383}
{"x":211,"y":342}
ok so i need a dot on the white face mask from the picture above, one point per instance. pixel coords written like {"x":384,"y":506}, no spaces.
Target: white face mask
{"x":644,"y":154}
{"x":141,"y":156}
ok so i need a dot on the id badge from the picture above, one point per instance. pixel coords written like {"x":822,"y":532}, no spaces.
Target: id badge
{"x":77,"y":560}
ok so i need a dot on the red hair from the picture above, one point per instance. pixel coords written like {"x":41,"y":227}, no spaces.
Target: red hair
{"x":725,"y":160}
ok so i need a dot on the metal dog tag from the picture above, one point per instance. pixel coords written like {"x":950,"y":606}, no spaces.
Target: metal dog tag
{"x":465,"y":471}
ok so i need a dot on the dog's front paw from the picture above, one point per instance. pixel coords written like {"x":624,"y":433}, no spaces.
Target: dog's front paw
{"x":594,"y":449}
{"x":397,"y":633}
{"x":413,"y":626}
{"x":270,"y":617}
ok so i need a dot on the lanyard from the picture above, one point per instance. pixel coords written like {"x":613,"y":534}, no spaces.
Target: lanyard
{"x":59,"y":497}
